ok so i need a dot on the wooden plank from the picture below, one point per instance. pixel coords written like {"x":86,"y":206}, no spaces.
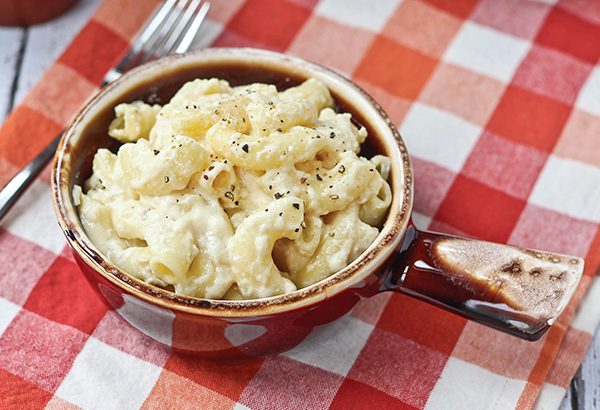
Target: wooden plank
{"x":588,"y":377}
{"x":11,"y":42}
{"x":46,"y":42}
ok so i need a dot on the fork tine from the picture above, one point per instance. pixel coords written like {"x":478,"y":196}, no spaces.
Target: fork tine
{"x":163,"y":32}
{"x":183,"y":22}
{"x":149,"y":30}
{"x":190,"y":33}
{"x":182,"y":31}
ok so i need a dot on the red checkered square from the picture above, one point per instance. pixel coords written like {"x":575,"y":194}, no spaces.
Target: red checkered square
{"x":133,"y":14}
{"x":223,"y":11}
{"x":39,"y":350}
{"x":529,"y":118}
{"x":422,"y":323}
{"x":285,"y":383}
{"x":113,"y":331}
{"x":586,"y":9}
{"x":463,"y":92}
{"x":432,"y":183}
{"x":228,"y":378}
{"x":25,"y":121}
{"x":519,"y":18}
{"x":354,"y":395}
{"x":7,"y":170}
{"x":272,"y":23}
{"x":422,"y":26}
{"x":59,"y":404}
{"x":571,"y":34}
{"x":505,"y":164}
{"x":552,"y":73}
{"x":567,"y":360}
{"x":18,"y":393}
{"x":172,"y":391}
{"x":67,"y":254}
{"x":370,"y":310}
{"x":395,"y":107}
{"x":440,"y":226}
{"x":510,"y":357}
{"x":460,"y":8}
{"x":307,"y":4}
{"x":532,"y":392}
{"x":541,"y":228}
{"x":580,"y":139}
{"x":343,"y":49}
{"x":592,"y":261}
{"x":388,"y":358}
{"x":23,"y":265}
{"x":396,"y":68}
{"x":94,"y":51}
{"x":479,"y":210}
{"x":64,"y":296}
{"x":64,"y":93}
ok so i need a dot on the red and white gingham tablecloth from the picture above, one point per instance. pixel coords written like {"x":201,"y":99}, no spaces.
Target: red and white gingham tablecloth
{"x":499,"y":104}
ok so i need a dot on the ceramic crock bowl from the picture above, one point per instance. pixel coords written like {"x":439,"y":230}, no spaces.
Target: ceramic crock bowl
{"x":25,"y":13}
{"x":513,"y":290}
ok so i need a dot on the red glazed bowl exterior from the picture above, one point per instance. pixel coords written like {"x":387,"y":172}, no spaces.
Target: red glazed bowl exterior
{"x":25,"y":13}
{"x":220,"y":328}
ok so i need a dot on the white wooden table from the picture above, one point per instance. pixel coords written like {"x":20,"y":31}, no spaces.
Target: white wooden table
{"x":26,"y":53}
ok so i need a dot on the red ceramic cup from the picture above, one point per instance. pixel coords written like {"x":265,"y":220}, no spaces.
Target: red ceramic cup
{"x":29,"y":12}
{"x":514,"y":290}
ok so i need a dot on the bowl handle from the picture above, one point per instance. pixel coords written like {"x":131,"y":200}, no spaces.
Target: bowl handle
{"x":519,"y":291}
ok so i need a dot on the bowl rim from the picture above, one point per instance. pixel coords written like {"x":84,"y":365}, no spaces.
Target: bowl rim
{"x":352,"y":275}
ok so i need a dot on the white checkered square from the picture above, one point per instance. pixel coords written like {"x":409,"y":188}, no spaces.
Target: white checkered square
{"x":421,"y":221}
{"x":587,"y":319}
{"x":333,"y":347}
{"x":589,"y":95}
{"x":550,"y":397}
{"x":8,"y":311}
{"x":439,"y":137}
{"x":478,"y":388}
{"x":47,"y":42}
{"x":33,"y":218}
{"x":486,"y":51}
{"x":208,"y":33}
{"x":239,"y":406}
{"x":369,"y":15}
{"x":568,"y":187}
{"x":103,"y":377}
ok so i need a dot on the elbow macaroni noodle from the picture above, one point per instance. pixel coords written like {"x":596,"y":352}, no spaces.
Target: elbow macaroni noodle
{"x":234,"y":192}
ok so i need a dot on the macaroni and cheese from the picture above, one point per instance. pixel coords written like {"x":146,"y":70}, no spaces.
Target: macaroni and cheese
{"x":234,"y":192}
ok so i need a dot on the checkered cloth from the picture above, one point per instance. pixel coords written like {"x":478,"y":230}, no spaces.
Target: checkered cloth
{"x":499,"y":104}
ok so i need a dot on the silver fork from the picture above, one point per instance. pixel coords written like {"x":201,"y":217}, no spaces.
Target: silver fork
{"x":171,"y":29}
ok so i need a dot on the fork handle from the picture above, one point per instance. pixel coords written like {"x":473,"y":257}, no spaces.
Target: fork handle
{"x":15,"y":188}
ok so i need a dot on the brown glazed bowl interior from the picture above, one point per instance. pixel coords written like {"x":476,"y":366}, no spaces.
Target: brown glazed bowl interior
{"x":176,"y":320}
